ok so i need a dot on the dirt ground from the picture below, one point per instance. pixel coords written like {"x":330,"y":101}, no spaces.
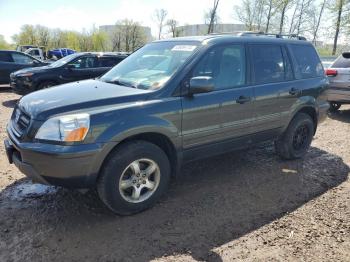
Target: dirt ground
{"x":247,"y":205}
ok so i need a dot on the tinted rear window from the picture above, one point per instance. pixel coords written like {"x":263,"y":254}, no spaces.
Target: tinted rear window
{"x":109,"y":61}
{"x":341,"y":62}
{"x":308,"y":62}
{"x":5,"y":57}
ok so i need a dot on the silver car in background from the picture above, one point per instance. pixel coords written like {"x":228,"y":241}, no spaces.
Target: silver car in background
{"x":339,"y":77}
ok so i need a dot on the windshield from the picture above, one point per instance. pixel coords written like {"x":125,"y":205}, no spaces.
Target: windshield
{"x":151,"y":66}
{"x":63,"y":60}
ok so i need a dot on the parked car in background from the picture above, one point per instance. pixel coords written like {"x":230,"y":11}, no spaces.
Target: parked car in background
{"x":23,"y":48}
{"x":78,"y":66}
{"x":339,"y":78}
{"x":38,"y":53}
{"x":59,"y":53}
{"x":11,"y":61}
{"x":128,"y":132}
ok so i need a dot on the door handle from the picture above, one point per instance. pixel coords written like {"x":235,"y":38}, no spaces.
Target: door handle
{"x":243,"y":99}
{"x":294,"y":91}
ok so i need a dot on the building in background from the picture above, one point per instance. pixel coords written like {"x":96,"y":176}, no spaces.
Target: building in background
{"x":202,"y":29}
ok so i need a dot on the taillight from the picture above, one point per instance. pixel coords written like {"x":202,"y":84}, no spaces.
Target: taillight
{"x":331,"y":72}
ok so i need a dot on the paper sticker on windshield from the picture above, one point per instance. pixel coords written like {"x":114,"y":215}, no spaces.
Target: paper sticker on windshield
{"x":186,"y":48}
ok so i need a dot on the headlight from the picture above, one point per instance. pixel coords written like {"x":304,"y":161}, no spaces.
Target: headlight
{"x":68,"y":128}
{"x":25,"y":74}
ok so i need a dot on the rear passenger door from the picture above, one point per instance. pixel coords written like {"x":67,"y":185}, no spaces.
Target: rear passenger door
{"x":272,"y":76}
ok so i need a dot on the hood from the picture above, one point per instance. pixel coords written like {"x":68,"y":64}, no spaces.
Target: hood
{"x":76,"y":96}
{"x":37,"y":69}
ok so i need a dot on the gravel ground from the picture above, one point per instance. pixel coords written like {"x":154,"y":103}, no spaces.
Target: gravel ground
{"x":246,"y":205}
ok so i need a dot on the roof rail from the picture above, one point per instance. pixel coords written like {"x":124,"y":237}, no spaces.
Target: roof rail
{"x":259,"y":33}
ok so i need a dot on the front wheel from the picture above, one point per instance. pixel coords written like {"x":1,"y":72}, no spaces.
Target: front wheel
{"x":296,"y":140}
{"x":134,"y":177}
{"x":334,"y":106}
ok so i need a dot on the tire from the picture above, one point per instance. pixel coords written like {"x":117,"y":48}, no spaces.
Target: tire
{"x":118,"y":182}
{"x":296,"y":140}
{"x":334,"y":106}
{"x":45,"y":84}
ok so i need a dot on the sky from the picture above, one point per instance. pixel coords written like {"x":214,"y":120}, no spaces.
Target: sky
{"x":79,"y":14}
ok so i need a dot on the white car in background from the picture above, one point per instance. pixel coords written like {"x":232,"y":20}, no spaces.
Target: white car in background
{"x":339,"y":78}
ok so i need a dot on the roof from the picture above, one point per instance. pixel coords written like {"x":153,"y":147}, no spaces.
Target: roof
{"x":104,"y":53}
{"x":216,"y":38}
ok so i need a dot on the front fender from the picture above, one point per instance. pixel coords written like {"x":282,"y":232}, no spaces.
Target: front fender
{"x":163,"y":117}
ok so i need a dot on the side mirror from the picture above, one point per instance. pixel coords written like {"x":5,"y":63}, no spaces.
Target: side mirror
{"x":201,"y":84}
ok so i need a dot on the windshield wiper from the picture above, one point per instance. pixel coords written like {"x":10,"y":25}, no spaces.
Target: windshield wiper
{"x":121,"y":83}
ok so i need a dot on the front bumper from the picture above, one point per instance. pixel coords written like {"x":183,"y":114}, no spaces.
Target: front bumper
{"x":75,"y":166}
{"x":21,"y":86}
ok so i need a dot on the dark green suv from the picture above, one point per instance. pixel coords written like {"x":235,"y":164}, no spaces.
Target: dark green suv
{"x":172,"y":101}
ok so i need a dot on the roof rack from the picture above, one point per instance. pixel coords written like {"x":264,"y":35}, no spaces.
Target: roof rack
{"x":252,"y":33}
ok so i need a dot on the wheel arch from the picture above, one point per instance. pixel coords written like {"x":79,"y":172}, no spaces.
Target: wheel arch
{"x":159,"y":139}
{"x":309,"y":110}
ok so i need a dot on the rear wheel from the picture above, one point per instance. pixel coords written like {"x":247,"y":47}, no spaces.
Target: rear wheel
{"x":334,"y":106}
{"x":134,"y":177}
{"x":296,"y":140}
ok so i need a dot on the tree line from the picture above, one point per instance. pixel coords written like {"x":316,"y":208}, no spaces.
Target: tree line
{"x":316,"y":19}
{"x":127,"y":35}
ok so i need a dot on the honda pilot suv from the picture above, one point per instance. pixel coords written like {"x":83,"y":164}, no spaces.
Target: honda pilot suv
{"x":128,"y":132}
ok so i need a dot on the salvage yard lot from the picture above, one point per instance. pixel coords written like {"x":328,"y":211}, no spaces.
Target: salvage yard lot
{"x":246,"y":205}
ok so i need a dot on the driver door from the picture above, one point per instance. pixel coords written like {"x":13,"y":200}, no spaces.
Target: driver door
{"x":210,"y":120}
{"x":84,"y":67}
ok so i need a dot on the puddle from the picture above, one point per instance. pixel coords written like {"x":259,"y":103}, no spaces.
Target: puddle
{"x":28,"y":190}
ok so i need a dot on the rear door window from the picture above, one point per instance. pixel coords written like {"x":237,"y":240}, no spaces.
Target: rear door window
{"x":308,"y":64}
{"x":108,"y":61}
{"x":268,"y":64}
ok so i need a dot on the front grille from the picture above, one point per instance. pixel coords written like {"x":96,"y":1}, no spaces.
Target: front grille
{"x":20,"y":122}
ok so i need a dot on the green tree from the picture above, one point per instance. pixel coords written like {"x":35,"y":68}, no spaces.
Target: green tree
{"x":26,"y":36}
{"x":3,"y":44}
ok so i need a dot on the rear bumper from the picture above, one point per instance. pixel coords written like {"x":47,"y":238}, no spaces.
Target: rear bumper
{"x":68,"y":166}
{"x":338,"y":94}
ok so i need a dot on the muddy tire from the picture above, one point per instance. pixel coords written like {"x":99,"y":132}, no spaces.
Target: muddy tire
{"x":134,"y":177}
{"x":296,"y":140}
